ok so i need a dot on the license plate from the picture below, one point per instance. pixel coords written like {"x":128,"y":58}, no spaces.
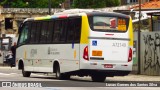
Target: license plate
{"x":108,"y":66}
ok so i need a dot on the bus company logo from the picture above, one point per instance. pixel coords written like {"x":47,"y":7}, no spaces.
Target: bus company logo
{"x":33,"y":52}
{"x":6,"y":84}
{"x":53,"y":51}
{"x":94,"y":43}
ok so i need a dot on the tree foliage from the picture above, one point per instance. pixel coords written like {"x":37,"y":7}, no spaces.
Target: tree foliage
{"x":30,"y":3}
{"x":110,"y":3}
{"x":44,"y":3}
{"x":88,"y":3}
{"x":15,"y":3}
{"x":94,"y":3}
{"x":56,"y":3}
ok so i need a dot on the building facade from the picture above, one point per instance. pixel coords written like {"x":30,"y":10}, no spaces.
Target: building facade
{"x":128,"y":2}
{"x":10,"y":18}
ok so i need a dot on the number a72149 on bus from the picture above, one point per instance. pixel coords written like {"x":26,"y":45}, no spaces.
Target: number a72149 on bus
{"x":96,"y":44}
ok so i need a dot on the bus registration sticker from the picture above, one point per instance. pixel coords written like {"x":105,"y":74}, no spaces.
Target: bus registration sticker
{"x":94,"y":43}
{"x":96,"y":53}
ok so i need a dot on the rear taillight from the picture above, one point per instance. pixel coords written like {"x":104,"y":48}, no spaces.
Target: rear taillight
{"x":130,"y":55}
{"x":85,"y":53}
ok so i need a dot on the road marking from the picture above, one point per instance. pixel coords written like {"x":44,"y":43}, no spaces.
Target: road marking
{"x":13,"y":73}
{"x":4,"y":74}
{"x":8,"y":74}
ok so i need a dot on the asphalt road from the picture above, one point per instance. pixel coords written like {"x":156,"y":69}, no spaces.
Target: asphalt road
{"x":48,"y":82}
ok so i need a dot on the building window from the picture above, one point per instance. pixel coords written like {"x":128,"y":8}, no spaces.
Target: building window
{"x":156,"y":25}
{"x":132,"y":1}
{"x":8,"y":23}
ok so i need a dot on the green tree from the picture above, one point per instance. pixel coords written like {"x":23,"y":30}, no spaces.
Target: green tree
{"x":94,"y":3}
{"x":37,"y":3}
{"x":13,"y":4}
{"x":44,"y":3}
{"x":88,"y":3}
{"x":111,"y":3}
{"x":56,"y":3}
{"x":18,"y":3}
{"x":31,"y":3}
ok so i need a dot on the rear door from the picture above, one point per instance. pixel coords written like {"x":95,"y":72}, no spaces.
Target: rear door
{"x":109,"y":39}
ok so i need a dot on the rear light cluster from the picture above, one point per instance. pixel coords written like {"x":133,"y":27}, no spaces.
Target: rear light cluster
{"x":130,"y":55}
{"x":85,"y":53}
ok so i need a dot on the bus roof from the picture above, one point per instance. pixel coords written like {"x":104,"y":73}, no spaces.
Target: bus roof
{"x":52,"y":17}
{"x":75,"y":13}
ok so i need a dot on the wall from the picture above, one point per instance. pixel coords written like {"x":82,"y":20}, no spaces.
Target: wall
{"x":150,"y":53}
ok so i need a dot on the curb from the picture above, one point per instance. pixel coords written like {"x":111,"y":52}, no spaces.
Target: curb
{"x":4,"y":65}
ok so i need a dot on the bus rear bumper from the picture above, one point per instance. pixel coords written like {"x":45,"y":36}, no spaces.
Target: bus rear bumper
{"x":103,"y":66}
{"x":90,"y":68}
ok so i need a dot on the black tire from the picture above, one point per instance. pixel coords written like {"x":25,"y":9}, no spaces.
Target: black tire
{"x":61,"y":76}
{"x":98,"y":78}
{"x":25,"y":73}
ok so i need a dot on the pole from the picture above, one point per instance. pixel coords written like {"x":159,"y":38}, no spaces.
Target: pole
{"x":139,"y":39}
{"x":49,"y":7}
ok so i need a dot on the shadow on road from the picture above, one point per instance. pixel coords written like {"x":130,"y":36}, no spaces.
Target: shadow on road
{"x":77,"y":79}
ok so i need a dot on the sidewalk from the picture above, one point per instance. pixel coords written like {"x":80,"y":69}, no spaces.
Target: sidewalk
{"x":5,"y":66}
{"x":130,"y":77}
{"x":134,"y":77}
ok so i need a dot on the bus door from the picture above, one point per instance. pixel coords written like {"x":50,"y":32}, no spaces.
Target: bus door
{"x":109,"y":39}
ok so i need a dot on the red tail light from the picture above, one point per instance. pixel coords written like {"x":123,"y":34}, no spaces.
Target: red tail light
{"x":85,"y":53}
{"x":130,"y":55}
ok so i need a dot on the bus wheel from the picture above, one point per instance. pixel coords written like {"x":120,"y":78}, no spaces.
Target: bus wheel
{"x":98,"y":78}
{"x":25,"y":73}
{"x":61,"y":76}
